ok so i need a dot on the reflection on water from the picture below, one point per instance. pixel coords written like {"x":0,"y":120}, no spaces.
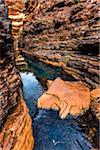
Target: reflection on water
{"x":50,"y":132}
{"x":32,"y":90}
{"x":46,"y":71}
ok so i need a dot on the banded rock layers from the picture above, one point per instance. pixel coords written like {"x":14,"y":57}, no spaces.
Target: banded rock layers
{"x":64,"y":33}
{"x":17,"y":16}
{"x":15,"y":122}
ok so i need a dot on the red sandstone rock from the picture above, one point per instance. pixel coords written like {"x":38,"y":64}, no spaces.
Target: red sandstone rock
{"x":64,"y":32}
{"x":15,"y":122}
{"x":68,"y":97}
{"x":17,"y":132}
{"x":17,"y":16}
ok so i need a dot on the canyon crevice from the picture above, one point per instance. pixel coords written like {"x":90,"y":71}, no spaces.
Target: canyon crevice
{"x":15,"y":122}
{"x":58,"y":33}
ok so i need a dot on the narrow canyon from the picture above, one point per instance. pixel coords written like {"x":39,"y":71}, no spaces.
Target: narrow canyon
{"x":49,"y":75}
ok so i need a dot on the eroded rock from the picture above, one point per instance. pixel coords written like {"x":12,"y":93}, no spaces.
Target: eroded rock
{"x":64,"y":33}
{"x":10,"y":91}
{"x":15,"y":122}
{"x":15,"y":13}
{"x":17,"y":131}
{"x":68,"y":97}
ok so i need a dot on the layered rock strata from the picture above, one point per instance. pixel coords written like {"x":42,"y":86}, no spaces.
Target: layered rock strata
{"x":17,"y":132}
{"x":15,"y":12}
{"x":9,"y":77}
{"x":15,"y":122}
{"x":64,"y":33}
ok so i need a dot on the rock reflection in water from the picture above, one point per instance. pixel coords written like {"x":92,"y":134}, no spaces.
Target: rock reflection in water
{"x":50,"y":132}
{"x":32,"y":90}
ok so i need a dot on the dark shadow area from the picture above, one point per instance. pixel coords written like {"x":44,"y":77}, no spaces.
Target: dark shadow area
{"x":89,"y":49}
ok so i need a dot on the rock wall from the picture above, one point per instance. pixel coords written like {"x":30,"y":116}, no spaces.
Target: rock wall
{"x":64,"y":33}
{"x":15,"y":12}
{"x":16,"y":133}
{"x":9,"y":76}
{"x":15,"y":122}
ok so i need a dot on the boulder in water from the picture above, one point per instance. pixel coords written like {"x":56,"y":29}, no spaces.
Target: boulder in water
{"x":65,"y":96}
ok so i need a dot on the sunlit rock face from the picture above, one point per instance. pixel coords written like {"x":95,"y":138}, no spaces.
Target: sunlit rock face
{"x":68,"y":97}
{"x":16,"y":133}
{"x":15,"y":13}
{"x":15,"y":122}
{"x":64,"y":33}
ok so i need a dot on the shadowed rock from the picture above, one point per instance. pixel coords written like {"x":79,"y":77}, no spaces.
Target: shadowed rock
{"x":64,"y":33}
{"x":15,"y":122}
{"x":10,"y":83}
{"x":95,"y":102}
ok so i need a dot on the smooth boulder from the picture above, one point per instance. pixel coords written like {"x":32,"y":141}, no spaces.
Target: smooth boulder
{"x":66,"y":96}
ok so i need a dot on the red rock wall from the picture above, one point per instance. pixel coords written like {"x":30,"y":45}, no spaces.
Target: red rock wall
{"x":15,"y":13}
{"x":64,"y":33}
{"x":16,"y":133}
{"x":15,"y":122}
{"x":10,"y":91}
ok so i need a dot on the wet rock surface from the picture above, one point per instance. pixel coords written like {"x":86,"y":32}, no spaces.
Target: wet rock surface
{"x":64,"y":33}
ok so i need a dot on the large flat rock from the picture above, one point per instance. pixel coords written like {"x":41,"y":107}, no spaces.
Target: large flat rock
{"x":66,"y":96}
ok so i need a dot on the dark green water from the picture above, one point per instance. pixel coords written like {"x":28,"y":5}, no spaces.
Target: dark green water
{"x":50,"y":132}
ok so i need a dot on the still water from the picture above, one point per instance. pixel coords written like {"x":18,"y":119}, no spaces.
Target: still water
{"x":50,"y":132}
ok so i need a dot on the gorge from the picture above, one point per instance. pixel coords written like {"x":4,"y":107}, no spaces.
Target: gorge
{"x":39,"y":42}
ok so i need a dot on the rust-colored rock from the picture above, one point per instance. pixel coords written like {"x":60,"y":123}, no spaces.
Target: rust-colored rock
{"x":95,"y":93}
{"x":95,"y":102}
{"x":15,"y":122}
{"x":17,"y":132}
{"x":68,"y":97}
{"x":17,"y":16}
{"x":64,"y":33}
{"x":10,"y":91}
